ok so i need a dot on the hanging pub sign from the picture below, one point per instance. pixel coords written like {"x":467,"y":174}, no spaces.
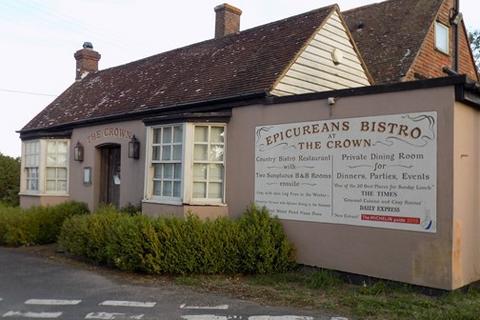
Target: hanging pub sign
{"x":373,"y":171}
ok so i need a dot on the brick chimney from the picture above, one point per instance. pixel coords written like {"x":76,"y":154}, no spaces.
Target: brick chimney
{"x":227,"y":20}
{"x":87,"y":60}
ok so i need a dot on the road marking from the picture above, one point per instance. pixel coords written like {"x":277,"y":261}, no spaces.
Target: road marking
{"x":219,"y":307}
{"x":37,"y":315}
{"x":111,"y":316}
{"x":53,"y":302}
{"x":279,"y":318}
{"x":1,"y":299}
{"x":128,"y":304}
{"x":206,"y":317}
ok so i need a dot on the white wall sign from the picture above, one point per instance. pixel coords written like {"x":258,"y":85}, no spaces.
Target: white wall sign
{"x":372,"y":171}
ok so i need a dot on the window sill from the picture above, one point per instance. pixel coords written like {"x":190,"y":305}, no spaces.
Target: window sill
{"x":44,"y":194}
{"x":206,"y":204}
{"x":175,"y":203}
{"x":159,"y":201}
{"x":447,"y":54}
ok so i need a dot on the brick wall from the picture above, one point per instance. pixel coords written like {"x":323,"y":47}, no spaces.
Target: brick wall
{"x":467,"y":64}
{"x":227,"y":20}
{"x":430,"y":61}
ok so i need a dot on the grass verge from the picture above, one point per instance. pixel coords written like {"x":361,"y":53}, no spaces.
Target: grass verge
{"x":320,"y":290}
{"x":334,"y":293}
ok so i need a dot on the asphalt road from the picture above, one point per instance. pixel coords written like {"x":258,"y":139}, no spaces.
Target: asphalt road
{"x":32,"y":286}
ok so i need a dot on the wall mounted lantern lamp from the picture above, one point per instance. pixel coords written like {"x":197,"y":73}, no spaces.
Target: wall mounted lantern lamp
{"x":134,"y":148}
{"x":78,"y":152}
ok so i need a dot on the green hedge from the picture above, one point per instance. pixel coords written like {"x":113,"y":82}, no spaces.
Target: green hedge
{"x":254,"y":243}
{"x":37,"y":225}
{"x":9,"y":180}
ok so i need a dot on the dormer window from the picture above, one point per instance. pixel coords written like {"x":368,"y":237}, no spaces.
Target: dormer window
{"x":442,"y":38}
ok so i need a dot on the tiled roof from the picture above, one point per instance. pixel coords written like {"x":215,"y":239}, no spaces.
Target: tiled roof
{"x":390,"y":34}
{"x":244,"y":63}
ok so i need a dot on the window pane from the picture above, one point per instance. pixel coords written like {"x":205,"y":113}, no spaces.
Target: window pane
{"x":51,"y":159}
{"x":157,"y":171}
{"x":167,"y":189}
{"x":177,"y":188}
{"x":216,"y":153}
{"x":215,"y":190}
{"x":34,"y":184}
{"x":177,"y":152}
{"x":201,"y":134}
{"x":51,"y":185}
{"x":177,"y":171}
{"x":217,"y":134}
{"x":62,"y":160}
{"x":62,"y":173}
{"x":157,"y":136}
{"x":177,"y":134}
{"x":199,"y":172}
{"x":168,"y":171}
{"x":215,"y":172}
{"x":62,"y":147}
{"x":157,"y":185}
{"x":441,"y":37}
{"x":156,"y":153}
{"x":51,"y":173}
{"x":166,"y":150}
{"x":167,"y":135}
{"x":199,"y":189}
{"x":51,"y":147}
{"x":62,"y":185}
{"x":200,"y":152}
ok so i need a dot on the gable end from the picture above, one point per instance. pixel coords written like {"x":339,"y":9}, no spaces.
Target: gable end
{"x":315,"y":69}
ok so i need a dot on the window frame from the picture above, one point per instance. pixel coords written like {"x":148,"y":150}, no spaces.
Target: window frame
{"x":208,"y":200}
{"x":187,"y":166}
{"x":26,"y":167}
{"x":42,"y":169}
{"x":150,"y":169}
{"x":446,"y":28}
{"x":56,"y":167}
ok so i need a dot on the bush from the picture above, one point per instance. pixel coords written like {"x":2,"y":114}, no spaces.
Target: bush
{"x":266,"y":247}
{"x":37,"y":225}
{"x":9,"y":180}
{"x":255,"y":243}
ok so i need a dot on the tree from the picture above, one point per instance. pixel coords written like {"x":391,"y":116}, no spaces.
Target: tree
{"x":475,"y":43}
{"x":9,"y":180}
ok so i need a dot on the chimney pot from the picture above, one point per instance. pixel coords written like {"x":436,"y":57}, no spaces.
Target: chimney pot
{"x":227,"y":20}
{"x":87,"y":45}
{"x":86,"y":60}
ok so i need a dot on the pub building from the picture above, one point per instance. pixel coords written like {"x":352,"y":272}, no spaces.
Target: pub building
{"x":358,"y":129}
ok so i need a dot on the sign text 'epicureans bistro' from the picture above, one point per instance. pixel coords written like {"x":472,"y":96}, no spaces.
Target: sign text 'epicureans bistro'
{"x":373,"y":171}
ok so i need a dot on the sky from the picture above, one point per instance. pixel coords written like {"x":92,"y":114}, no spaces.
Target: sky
{"x":39,"y":37}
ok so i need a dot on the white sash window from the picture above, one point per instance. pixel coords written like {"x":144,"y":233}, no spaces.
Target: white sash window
{"x":45,"y":167}
{"x":31,"y":151}
{"x":57,"y":166}
{"x":186,"y":164}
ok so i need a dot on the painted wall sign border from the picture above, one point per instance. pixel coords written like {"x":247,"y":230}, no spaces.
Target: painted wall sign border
{"x":377,"y":171}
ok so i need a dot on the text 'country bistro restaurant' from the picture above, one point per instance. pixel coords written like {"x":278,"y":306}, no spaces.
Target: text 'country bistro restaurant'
{"x":372,"y":170}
